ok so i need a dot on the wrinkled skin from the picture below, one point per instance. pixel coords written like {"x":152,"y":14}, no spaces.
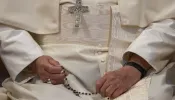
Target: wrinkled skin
{"x":115,"y":83}
{"x":48,"y":68}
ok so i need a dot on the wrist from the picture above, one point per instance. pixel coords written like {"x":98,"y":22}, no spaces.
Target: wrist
{"x":131,"y":71}
{"x":33,"y":65}
{"x":137,"y":67}
{"x":140,"y":61}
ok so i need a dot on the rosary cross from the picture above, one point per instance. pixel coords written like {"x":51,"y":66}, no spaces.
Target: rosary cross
{"x":78,"y":9}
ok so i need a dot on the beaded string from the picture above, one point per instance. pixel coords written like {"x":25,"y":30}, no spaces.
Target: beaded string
{"x":77,"y":93}
{"x":66,"y":84}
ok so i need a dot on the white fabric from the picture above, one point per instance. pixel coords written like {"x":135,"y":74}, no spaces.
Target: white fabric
{"x":3,"y":95}
{"x":156,"y":45}
{"x":17,"y":51}
{"x":84,"y":52}
{"x":85,"y":59}
{"x":79,"y":50}
{"x":144,"y":12}
{"x":42,"y":16}
{"x":160,"y":48}
{"x":39,"y":16}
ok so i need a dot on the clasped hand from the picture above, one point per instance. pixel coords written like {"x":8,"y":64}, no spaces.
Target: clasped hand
{"x":48,"y":68}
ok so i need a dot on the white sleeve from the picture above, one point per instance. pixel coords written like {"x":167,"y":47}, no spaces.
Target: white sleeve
{"x":17,"y":51}
{"x":156,"y":44}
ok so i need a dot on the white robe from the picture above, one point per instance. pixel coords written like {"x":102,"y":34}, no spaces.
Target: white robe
{"x":169,"y":35}
{"x":90,"y":56}
{"x":14,"y":52}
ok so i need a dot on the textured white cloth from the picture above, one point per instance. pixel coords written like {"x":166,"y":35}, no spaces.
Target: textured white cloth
{"x":42,"y":16}
{"x":95,"y":48}
{"x":17,"y":51}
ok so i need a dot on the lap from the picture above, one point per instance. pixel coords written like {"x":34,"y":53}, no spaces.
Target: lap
{"x":41,"y":91}
{"x":45,"y":91}
{"x":138,"y":92}
{"x":3,"y":95}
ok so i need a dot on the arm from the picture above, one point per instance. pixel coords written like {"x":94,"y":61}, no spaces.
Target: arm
{"x":24,"y":58}
{"x":17,"y":51}
{"x":154,"y":47}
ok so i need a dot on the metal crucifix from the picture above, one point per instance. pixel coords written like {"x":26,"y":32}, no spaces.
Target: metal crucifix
{"x":78,"y":9}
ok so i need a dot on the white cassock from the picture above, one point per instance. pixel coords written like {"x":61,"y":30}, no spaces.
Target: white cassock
{"x":17,"y":50}
{"x":108,"y":34}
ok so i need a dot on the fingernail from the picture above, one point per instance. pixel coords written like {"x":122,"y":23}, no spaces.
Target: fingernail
{"x":62,"y":75}
{"x":62,"y":71}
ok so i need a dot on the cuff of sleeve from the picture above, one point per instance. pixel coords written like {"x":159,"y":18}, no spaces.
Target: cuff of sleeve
{"x":155,"y":64}
{"x":24,"y":75}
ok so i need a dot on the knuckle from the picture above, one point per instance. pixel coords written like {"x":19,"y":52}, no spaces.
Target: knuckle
{"x":112,"y":77}
{"x":98,"y":84}
{"x":49,"y":68}
{"x":53,"y":61}
{"x":111,"y":72}
{"x":108,"y":73}
{"x":41,"y":64}
{"x":115,"y":82}
{"x":47,"y":57}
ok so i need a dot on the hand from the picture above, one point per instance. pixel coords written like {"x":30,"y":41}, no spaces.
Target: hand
{"x":47,"y":68}
{"x":114,"y":83}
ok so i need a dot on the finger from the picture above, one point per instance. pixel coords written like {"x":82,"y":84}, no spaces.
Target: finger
{"x":44,"y":75}
{"x":44,"y":79}
{"x":57,"y":76}
{"x":58,"y":81}
{"x":53,"y":82}
{"x":99,"y":84}
{"x":117,"y":93}
{"x":53,"y":70}
{"x":104,"y":87}
{"x":110,"y":90}
{"x":54,"y":62}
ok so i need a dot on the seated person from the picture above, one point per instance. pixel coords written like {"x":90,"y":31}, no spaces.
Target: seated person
{"x":100,"y":56}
